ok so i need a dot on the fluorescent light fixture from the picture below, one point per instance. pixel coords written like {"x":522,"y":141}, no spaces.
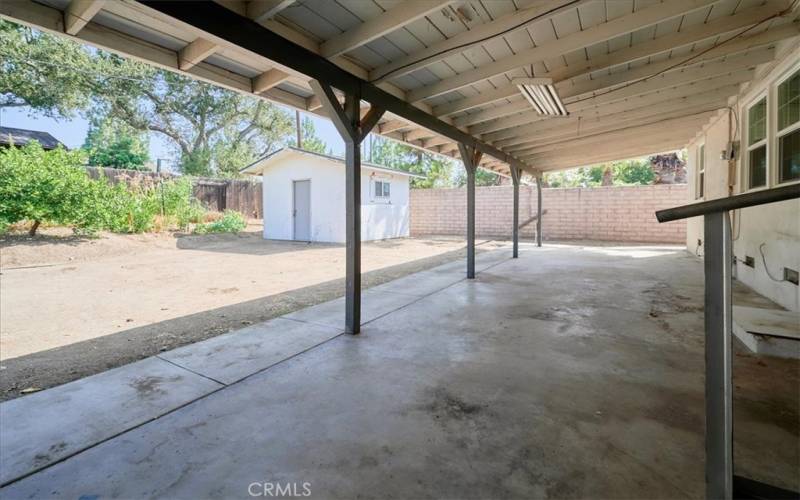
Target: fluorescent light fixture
{"x":542,"y":95}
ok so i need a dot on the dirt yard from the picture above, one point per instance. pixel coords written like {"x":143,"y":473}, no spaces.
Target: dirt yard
{"x":70,"y":307}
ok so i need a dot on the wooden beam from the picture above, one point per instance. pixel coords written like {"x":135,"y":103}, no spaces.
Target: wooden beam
{"x":483,"y":33}
{"x":616,"y":138}
{"x":417,"y":134}
{"x":195,"y":52}
{"x":261,"y":10}
{"x":602,"y":32}
{"x":569,"y":90}
{"x":434,"y":141}
{"x":393,"y":125}
{"x":686,"y":37}
{"x":588,"y":158}
{"x":712,"y":88}
{"x":268,"y":80}
{"x":391,"y":20}
{"x":79,"y":13}
{"x":690,"y":106}
{"x":617,"y":121}
{"x":738,"y":68}
{"x":638,"y":151}
{"x":591,"y":149}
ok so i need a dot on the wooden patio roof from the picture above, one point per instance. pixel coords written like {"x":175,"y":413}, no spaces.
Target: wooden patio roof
{"x":636,"y":76}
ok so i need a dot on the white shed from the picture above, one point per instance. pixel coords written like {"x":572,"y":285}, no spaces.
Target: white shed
{"x":304,"y":197}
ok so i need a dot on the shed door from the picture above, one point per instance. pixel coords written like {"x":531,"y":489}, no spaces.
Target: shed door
{"x":302,"y":210}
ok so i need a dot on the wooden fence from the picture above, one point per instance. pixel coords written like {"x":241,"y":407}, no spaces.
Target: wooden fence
{"x":215,"y":194}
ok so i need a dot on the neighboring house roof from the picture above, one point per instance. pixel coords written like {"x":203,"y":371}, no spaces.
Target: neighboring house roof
{"x":258,"y":166}
{"x":21,"y":137}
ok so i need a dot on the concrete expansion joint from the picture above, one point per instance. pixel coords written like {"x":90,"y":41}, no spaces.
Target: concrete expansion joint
{"x":191,"y":371}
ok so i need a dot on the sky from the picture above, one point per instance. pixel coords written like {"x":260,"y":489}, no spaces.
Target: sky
{"x":72,"y":133}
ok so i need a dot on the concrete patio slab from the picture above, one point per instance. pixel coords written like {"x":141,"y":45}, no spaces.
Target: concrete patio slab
{"x":233,"y":356}
{"x":42,"y":428}
{"x":774,"y":332}
{"x":374,"y":303}
{"x":422,"y":283}
{"x":492,"y":388}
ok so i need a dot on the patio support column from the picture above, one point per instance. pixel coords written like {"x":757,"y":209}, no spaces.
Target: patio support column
{"x":515,"y":173}
{"x":718,"y":325}
{"x":353,"y":129}
{"x":539,"y":210}
{"x":470,"y":157}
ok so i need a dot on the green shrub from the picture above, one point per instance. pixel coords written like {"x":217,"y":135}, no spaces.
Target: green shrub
{"x":44,"y":186}
{"x":230,"y":222}
{"x":179,"y":203}
{"x":52,"y":186}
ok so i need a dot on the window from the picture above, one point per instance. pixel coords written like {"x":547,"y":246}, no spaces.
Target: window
{"x":789,"y":129}
{"x":757,"y":144}
{"x":382,"y":189}
{"x":701,"y":170}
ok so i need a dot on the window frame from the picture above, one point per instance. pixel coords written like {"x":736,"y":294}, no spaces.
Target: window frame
{"x":778,"y":134}
{"x":700,"y":186}
{"x":765,"y":142}
{"x":384,"y":184}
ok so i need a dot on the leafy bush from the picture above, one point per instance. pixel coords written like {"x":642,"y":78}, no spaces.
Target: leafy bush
{"x":39,"y":186}
{"x":52,"y":187}
{"x":116,"y":145}
{"x":230,"y":222}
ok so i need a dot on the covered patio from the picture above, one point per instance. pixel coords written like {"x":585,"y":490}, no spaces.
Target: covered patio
{"x":541,"y":371}
{"x":569,"y":372}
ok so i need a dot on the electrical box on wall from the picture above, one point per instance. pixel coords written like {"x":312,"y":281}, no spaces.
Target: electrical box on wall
{"x":730,"y":152}
{"x":790,"y":275}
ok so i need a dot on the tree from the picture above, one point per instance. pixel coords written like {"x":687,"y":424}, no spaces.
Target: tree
{"x":52,"y":75}
{"x":214,"y":130}
{"x":634,"y":172}
{"x":116,"y":145}
{"x":625,"y":172}
{"x":311,"y":141}
{"x":482,"y":178}
{"x":438,"y":171}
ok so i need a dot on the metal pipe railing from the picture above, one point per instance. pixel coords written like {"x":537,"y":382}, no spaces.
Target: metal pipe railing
{"x":730,"y":203}
{"x":718,"y":263}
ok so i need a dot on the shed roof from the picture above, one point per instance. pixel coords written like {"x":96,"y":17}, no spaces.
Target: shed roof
{"x":258,"y":166}
{"x":21,"y":137}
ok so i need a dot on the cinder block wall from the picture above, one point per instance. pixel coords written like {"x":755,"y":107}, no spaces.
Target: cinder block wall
{"x":603,"y":213}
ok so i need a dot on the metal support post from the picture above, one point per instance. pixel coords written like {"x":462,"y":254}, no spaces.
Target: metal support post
{"x":719,"y":397}
{"x":353,"y":129}
{"x":515,"y":174}
{"x":539,"y":210}
{"x":470,"y":157}
{"x":353,"y":220}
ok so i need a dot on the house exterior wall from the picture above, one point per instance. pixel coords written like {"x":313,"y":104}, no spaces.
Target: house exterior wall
{"x":616,"y":213}
{"x":380,"y":218}
{"x":775,"y":226}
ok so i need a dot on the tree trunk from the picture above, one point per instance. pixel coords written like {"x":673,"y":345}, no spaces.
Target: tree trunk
{"x":34,"y":227}
{"x":608,"y":177}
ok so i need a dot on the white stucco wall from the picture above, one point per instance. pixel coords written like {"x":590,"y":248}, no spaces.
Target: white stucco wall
{"x":776,"y":225}
{"x":380,"y":218}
